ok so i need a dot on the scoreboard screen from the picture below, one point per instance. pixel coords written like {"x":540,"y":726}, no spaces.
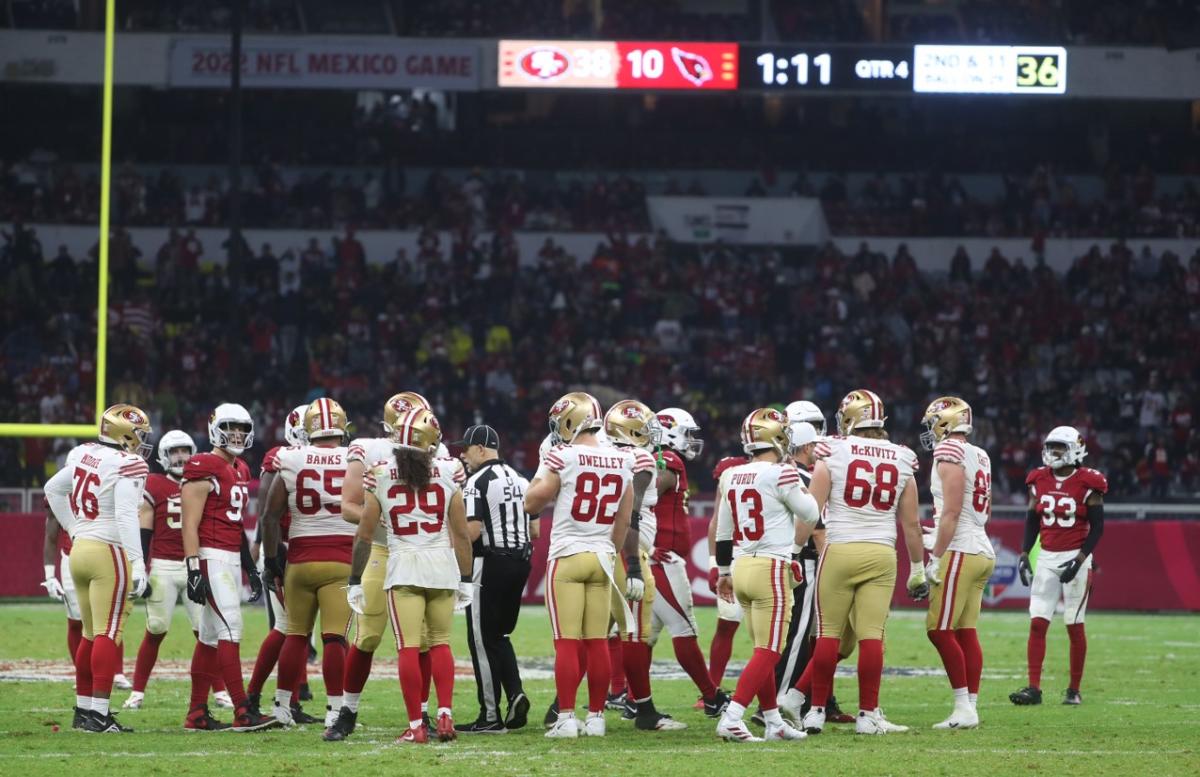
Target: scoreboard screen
{"x":820,"y":68}
{"x":617,"y":65}
{"x":990,"y":69}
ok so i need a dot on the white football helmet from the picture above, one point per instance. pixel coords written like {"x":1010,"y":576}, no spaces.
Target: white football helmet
{"x":803,"y":410}
{"x":224,"y":431}
{"x":1075,"y":450}
{"x":170,"y":451}
{"x":293,"y":427}
{"x":680,"y":432}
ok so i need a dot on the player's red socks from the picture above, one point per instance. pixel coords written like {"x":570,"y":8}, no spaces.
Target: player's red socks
{"x":146,"y":658}
{"x":636,"y":657}
{"x":268,"y":656}
{"x":292,"y":658}
{"x":687,"y":653}
{"x":83,"y":668}
{"x":1035,"y":651}
{"x":410,"y":681}
{"x":951,"y":652}
{"x":756,"y":677}
{"x":229,"y":663}
{"x":968,"y":640}
{"x":106,"y":663}
{"x":617,"y":662}
{"x":441,"y":667}
{"x":824,"y":663}
{"x":567,"y":671}
{"x":358,"y":669}
{"x":426,"y":675}
{"x":598,"y":669}
{"x":74,"y":636}
{"x":720,"y":650}
{"x":204,"y":669}
{"x":870,"y":672}
{"x":1078,"y":652}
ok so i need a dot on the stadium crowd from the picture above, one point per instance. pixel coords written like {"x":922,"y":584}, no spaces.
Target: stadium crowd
{"x":1108,"y":346}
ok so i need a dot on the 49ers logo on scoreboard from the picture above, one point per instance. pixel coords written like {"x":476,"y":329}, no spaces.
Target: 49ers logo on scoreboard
{"x":544,"y":63}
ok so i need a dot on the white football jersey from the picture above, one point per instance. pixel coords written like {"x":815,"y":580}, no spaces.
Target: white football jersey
{"x":97,"y":482}
{"x":313,"y":477}
{"x":970,"y":536}
{"x":593,"y":480}
{"x":868,"y":476}
{"x":759,"y":507}
{"x":371,"y":450}
{"x":417,"y":524}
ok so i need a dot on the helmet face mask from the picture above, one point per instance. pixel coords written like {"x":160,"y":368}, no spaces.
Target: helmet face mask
{"x":945,"y":416}
{"x":680,"y":432}
{"x":1063,"y":448}
{"x":630,"y":422}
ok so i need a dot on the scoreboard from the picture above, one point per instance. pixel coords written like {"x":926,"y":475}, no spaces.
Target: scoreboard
{"x":782,"y":68}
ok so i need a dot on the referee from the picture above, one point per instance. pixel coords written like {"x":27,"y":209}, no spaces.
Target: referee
{"x":501,"y":532}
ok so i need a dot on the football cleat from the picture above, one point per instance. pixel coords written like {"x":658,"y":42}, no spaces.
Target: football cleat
{"x":199,"y":719}
{"x":594,"y":725}
{"x":657,"y":721}
{"x":735,"y":731}
{"x":482,"y":726}
{"x":564,"y":728}
{"x":330,"y":714}
{"x":715,"y":707}
{"x":445,"y":728}
{"x":342,"y":727}
{"x":95,"y":723}
{"x":134,"y":702}
{"x":1072,"y":697}
{"x":629,"y":710}
{"x":551,"y":717}
{"x":1026,"y":696}
{"x":964,"y":716}
{"x":518,"y":712}
{"x":413,"y":736}
{"x":814,"y":720}
{"x":305,"y":693}
{"x":791,"y":705}
{"x":783,"y":731}
{"x":223,"y":700}
{"x":122,"y":682}
{"x":302,"y":718}
{"x":430,"y":728}
{"x":699,"y":705}
{"x":81,"y":716}
{"x":252,"y":702}
{"x":757,"y":718}
{"x":616,"y":701}
{"x":283,"y":714}
{"x":874,"y":722}
{"x":834,"y":714}
{"x":248,"y":720}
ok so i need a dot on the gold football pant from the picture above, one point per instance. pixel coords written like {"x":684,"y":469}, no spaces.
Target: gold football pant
{"x":309,"y":586}
{"x":763,"y":587}
{"x":418,"y":613}
{"x":368,"y":627}
{"x":101,"y":573}
{"x":955,"y":602}
{"x":579,"y":597}
{"x":854,"y":586}
{"x":642,"y":611}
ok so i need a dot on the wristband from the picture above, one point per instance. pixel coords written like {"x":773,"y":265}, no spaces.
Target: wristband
{"x":49,"y":571}
{"x":465,"y":579}
{"x":723,"y":571}
{"x":193,"y":563}
{"x":355,"y":580}
{"x":712,"y":561}
{"x":797,"y":549}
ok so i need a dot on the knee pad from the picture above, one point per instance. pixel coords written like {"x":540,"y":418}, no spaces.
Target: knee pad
{"x":367,"y":643}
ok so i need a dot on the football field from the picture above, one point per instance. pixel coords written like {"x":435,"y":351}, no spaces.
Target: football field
{"x":1141,"y":712}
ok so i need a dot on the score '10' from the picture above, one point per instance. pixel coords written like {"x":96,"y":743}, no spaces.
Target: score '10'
{"x":775,"y":69}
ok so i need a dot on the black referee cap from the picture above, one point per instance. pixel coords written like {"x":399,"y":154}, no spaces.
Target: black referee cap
{"x":481,"y":435}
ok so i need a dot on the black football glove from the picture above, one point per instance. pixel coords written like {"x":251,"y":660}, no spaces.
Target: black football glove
{"x":146,"y":594}
{"x":1025,"y":570}
{"x":256,"y":586}
{"x":1070,"y":569}
{"x":197,"y":585}
{"x":273,"y":569}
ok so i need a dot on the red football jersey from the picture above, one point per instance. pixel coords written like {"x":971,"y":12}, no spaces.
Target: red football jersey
{"x":162,"y":493}
{"x":674,"y":531}
{"x":270,"y":464}
{"x":221,"y":524}
{"x":1062,"y":505}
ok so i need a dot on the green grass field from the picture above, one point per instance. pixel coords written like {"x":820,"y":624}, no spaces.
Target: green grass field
{"x":1141,"y":713}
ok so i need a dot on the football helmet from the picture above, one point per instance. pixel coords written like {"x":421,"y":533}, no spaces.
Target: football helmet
{"x":399,"y":404}
{"x":293,"y":426}
{"x":860,"y":409}
{"x":170,"y":447}
{"x":680,"y":432}
{"x":630,"y":422}
{"x":230,"y":427}
{"x":418,"y":429}
{"x":765,"y":429}
{"x":1075,"y":451}
{"x":803,"y":410}
{"x":128,"y":428}
{"x":574,"y":414}
{"x":324,"y":418}
{"x":945,"y":416}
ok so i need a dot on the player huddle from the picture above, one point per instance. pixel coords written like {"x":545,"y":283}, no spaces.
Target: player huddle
{"x":373,"y":531}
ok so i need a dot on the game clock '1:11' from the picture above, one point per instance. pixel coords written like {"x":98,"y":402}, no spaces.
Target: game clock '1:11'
{"x":777,"y":71}
{"x":820,"y":68}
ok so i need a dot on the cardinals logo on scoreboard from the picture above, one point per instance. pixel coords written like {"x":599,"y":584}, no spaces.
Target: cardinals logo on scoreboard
{"x":693,"y":67}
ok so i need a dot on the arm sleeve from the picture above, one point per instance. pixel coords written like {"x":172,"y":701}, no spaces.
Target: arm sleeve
{"x":247,"y":559}
{"x":127,"y":495}
{"x":57,"y":490}
{"x":724,"y":514}
{"x":1033,"y":523}
{"x":1095,"y":528}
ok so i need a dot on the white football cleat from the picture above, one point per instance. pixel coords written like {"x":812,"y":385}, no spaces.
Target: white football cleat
{"x":223,"y":700}
{"x":122,"y":682}
{"x":134,"y":702}
{"x":594,"y":725}
{"x":814,"y":721}
{"x":783,"y":731}
{"x":735,"y":731}
{"x":283,"y":714}
{"x":791,"y":704}
{"x":564,"y":728}
{"x":874,"y":722}
{"x":964,"y":716}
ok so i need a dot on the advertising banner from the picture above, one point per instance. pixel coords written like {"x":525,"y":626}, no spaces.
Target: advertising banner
{"x":752,"y":220}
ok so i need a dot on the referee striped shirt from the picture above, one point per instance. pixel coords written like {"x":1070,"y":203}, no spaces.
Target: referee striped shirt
{"x":495,"y":496}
